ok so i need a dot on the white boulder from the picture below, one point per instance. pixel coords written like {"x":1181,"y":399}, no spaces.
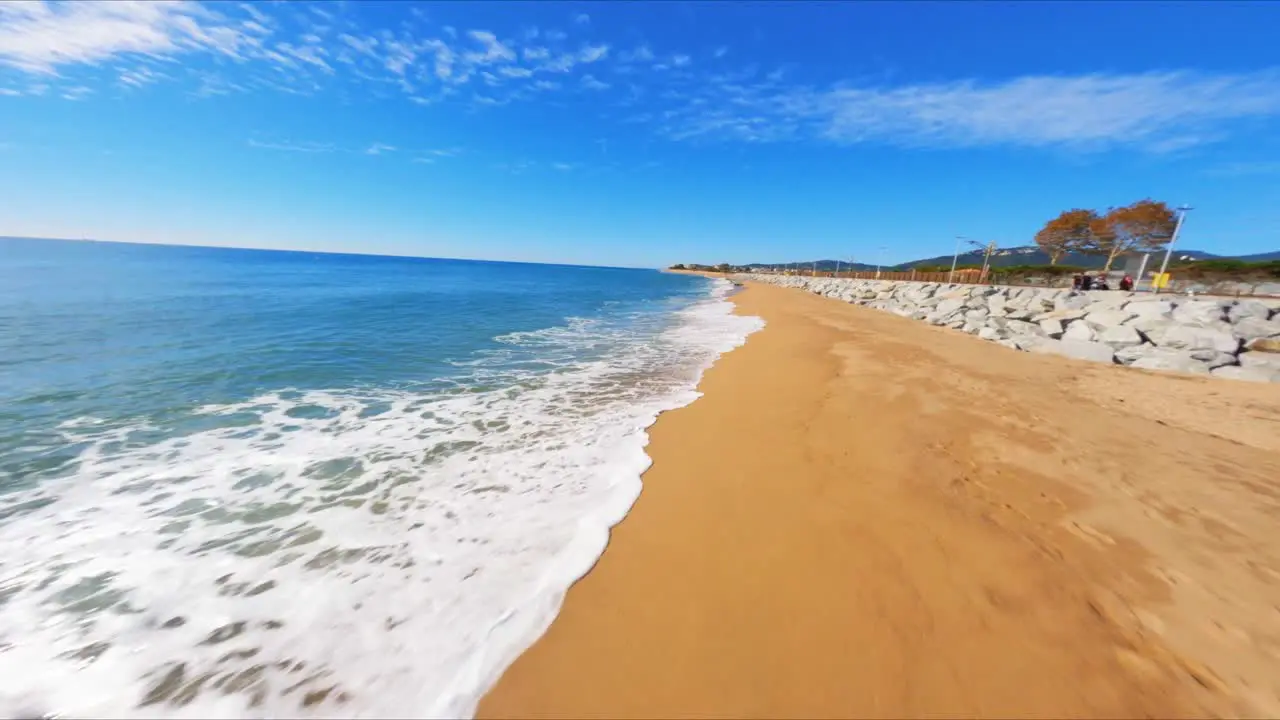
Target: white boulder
{"x":1051,"y":327}
{"x":1191,"y":337}
{"x":1254,"y":374}
{"x":1078,"y":349}
{"x":1079,"y":331}
{"x":1118,"y":337}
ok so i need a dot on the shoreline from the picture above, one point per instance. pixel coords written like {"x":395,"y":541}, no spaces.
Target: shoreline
{"x":529,"y":619}
{"x":1050,"y":541}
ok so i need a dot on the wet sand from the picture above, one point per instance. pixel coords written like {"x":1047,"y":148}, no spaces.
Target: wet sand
{"x":867,"y":516}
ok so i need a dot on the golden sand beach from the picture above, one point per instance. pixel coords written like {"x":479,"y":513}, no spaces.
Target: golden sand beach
{"x":867,"y":516}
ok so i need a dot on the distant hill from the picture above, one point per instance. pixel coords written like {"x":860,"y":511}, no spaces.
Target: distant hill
{"x":1005,"y":257}
{"x":1259,"y":257}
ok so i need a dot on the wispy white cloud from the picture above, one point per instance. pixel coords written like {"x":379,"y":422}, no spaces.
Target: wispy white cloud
{"x":593,"y":53}
{"x":299,"y":49}
{"x":535,"y":53}
{"x":366,"y":46}
{"x":1153,"y":111}
{"x":9,"y":92}
{"x":303,"y":147}
{"x":79,"y":92}
{"x":582,"y":19}
{"x":515,"y":72}
{"x":379,"y":149}
{"x":139,"y":76}
{"x":492,"y":50}
{"x":563,"y":166}
{"x":640,"y":54}
{"x":40,"y":37}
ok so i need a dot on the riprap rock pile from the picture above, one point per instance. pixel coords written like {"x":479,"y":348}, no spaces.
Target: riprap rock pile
{"x":1237,"y":339}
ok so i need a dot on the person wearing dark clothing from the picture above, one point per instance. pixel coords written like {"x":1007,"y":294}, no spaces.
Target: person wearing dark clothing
{"x":1076,"y":281}
{"x":1086,"y":282}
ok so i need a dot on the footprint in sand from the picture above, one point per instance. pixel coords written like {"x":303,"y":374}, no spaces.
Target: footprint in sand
{"x":1091,"y":534}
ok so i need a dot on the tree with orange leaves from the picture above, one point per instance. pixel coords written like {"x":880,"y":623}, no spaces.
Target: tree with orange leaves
{"x":1069,"y":232}
{"x":1144,"y":225}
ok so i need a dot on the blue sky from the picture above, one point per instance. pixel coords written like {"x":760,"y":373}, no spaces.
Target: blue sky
{"x":630,"y":133}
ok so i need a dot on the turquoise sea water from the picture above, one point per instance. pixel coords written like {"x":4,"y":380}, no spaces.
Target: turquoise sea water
{"x":245,"y":483}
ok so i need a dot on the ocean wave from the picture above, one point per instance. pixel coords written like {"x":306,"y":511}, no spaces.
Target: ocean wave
{"x":352,"y":553}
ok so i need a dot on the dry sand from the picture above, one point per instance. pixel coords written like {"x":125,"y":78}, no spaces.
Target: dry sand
{"x":870,"y":516}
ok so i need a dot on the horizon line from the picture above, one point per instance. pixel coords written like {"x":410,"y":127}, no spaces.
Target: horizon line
{"x":320,"y":252}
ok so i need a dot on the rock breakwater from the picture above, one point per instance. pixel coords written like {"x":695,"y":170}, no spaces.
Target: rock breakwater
{"x":1236,"y":339}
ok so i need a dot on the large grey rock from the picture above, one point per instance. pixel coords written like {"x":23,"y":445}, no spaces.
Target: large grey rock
{"x":1079,"y":349}
{"x":1260,"y":360}
{"x":1249,"y":328}
{"x":1132,"y":353}
{"x":1190,"y":337}
{"x":1213,"y":358}
{"x":1102,"y":319}
{"x":1022,"y":327}
{"x":1254,"y":374}
{"x":1148,"y":306}
{"x":1079,"y":331}
{"x":950,"y":305}
{"x":989,"y":333}
{"x":1072,"y":301}
{"x":1165,"y":359}
{"x":1200,"y":312}
{"x":1118,"y":337}
{"x":1051,"y":327}
{"x":1107,"y":300}
{"x":1150,"y":324}
{"x":1064,"y":315}
{"x":1010,"y":343}
{"x":1249,"y":309}
{"x":1021,"y":313}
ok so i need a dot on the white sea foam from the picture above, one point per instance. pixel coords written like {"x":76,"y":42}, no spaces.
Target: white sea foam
{"x":321,"y":554}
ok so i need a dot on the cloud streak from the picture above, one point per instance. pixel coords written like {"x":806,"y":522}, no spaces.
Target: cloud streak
{"x":303,"y":147}
{"x":303,"y":49}
{"x":41,"y":37}
{"x":1158,"y":112}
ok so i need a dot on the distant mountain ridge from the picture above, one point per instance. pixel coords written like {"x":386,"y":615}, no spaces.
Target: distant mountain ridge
{"x":1005,"y":257}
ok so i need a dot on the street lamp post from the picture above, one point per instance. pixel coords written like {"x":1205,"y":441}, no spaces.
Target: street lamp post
{"x":879,"y":260}
{"x":951,"y":275}
{"x":1164,"y":265}
{"x":986,"y":259}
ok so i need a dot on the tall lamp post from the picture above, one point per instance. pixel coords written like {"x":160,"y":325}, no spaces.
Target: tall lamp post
{"x":1164,"y":264}
{"x":986,"y":259}
{"x":959,"y":239}
{"x":879,"y":260}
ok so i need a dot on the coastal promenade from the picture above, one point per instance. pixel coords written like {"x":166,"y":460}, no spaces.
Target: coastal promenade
{"x":869,"y":516}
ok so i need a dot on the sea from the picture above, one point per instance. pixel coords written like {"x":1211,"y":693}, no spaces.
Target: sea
{"x":249,"y":483}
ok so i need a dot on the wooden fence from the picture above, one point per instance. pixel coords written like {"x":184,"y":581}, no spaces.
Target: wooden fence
{"x":967,"y":275}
